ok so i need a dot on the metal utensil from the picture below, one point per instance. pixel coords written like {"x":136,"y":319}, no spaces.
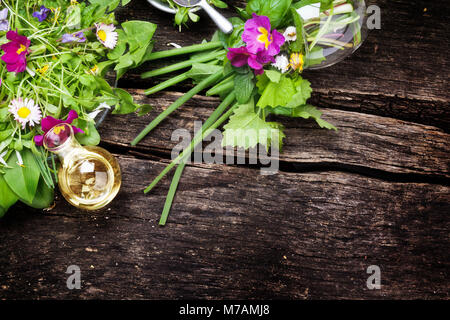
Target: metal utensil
{"x":224,"y":25}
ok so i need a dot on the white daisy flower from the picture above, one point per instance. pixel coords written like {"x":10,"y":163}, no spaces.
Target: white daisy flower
{"x":25,"y":111}
{"x":106,"y":35}
{"x":290,"y":34}
{"x":281,"y":63}
{"x":2,"y":161}
{"x":102,"y":106}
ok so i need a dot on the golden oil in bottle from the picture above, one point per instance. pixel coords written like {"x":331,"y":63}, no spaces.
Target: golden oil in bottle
{"x":89,"y":177}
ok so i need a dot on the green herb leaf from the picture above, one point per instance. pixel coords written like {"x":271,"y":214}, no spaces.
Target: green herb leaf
{"x":275,"y":10}
{"x":200,"y":71}
{"x":90,"y":137}
{"x":246,"y":129}
{"x":43,"y":198}
{"x":23,"y":181}
{"x":8,"y":197}
{"x":243,"y":86}
{"x":274,"y":94}
{"x":306,"y":111}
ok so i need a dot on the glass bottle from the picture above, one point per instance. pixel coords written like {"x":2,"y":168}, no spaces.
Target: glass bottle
{"x":332,"y":35}
{"x":89,"y":177}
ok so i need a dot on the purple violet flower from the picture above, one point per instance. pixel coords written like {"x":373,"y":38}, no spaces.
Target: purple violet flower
{"x":42,"y":14}
{"x":73,"y":37}
{"x":240,"y":57}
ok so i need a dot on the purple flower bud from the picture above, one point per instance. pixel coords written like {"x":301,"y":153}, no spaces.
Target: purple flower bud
{"x":42,"y":14}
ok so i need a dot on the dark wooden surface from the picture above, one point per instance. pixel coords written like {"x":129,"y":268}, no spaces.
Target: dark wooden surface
{"x":374,"y":193}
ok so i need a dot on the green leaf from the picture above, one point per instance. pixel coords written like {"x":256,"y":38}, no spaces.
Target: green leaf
{"x":303,"y":88}
{"x":139,"y":33}
{"x":274,"y":94}
{"x":23,"y":181}
{"x":8,"y":197}
{"x":200,"y":71}
{"x":243,"y":86}
{"x":275,"y":10}
{"x":273,"y":75}
{"x":90,"y":137}
{"x":44,"y":196}
{"x":306,"y":111}
{"x":126,"y":104}
{"x":246,"y":129}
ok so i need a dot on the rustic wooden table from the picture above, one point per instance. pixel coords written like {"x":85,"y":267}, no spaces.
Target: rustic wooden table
{"x":374,"y":193}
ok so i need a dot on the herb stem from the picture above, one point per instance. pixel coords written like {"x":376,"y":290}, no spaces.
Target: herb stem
{"x":184,"y":50}
{"x":188,"y":95}
{"x":182,"y":65}
{"x":168,"y":83}
{"x":213,"y":122}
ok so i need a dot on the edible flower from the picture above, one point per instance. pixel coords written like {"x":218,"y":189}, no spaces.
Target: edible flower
{"x":49,"y":122}
{"x":290,"y":34}
{"x":106,"y":35}
{"x":281,"y":63}
{"x":16,"y":52}
{"x":25,"y":111}
{"x":241,"y":56}
{"x":73,"y":37}
{"x":4,"y":23}
{"x":42,"y":14}
{"x":259,"y":37}
{"x":296,"y":61}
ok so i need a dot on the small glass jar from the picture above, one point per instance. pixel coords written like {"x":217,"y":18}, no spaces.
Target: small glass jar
{"x":89,"y":177}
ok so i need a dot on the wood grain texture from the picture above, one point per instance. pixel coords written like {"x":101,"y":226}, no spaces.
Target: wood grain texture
{"x":401,"y":71}
{"x":362,"y":141}
{"x":296,"y":236}
{"x":374,"y":193}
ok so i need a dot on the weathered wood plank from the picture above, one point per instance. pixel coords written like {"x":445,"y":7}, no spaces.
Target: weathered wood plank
{"x":401,"y":71}
{"x":301,"y":236}
{"x":363,"y":140}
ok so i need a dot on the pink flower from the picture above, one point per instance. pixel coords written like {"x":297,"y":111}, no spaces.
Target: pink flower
{"x":240,"y":57}
{"x":49,"y":122}
{"x":259,"y":37}
{"x":15,"y":52}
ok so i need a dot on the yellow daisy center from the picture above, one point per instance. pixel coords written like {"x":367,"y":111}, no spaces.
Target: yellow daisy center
{"x":264,"y":37}
{"x":23,"y":112}
{"x":101,"y":35}
{"x":21,"y":49}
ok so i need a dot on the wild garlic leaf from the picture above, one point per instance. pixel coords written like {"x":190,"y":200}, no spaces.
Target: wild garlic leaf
{"x":23,"y":180}
{"x":8,"y":197}
{"x":246,"y":129}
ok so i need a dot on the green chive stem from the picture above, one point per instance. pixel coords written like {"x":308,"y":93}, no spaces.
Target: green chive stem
{"x":182,"y":65}
{"x":184,"y":50}
{"x":188,"y":95}
{"x":168,"y":83}
{"x":211,"y":125}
